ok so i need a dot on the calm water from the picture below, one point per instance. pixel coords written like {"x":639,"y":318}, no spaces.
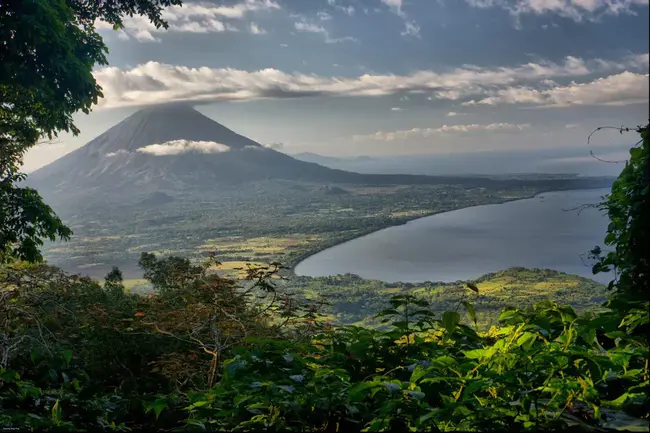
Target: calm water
{"x":465,"y":244}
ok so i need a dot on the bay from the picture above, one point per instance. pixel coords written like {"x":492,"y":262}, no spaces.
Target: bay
{"x":540,"y":232}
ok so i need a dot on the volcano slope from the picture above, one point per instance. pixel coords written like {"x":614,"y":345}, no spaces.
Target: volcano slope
{"x":171,"y":180}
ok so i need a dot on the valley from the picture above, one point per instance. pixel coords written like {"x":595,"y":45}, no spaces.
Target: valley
{"x":279,"y":221}
{"x":248,"y":205}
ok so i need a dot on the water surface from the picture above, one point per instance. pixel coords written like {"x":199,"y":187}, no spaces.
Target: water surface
{"x":468,"y":243}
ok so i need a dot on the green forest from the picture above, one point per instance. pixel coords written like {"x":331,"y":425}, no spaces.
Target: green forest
{"x":189,"y":348}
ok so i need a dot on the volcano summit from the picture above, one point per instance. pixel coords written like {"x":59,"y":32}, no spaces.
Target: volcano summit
{"x":175,"y":149}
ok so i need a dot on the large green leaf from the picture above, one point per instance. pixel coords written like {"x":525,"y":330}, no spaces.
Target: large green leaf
{"x":470,"y":310}
{"x":450,"y":320}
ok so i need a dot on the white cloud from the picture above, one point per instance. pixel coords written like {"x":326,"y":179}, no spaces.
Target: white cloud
{"x":119,"y":152}
{"x":571,"y":125}
{"x":576,"y":10}
{"x":324,"y":16}
{"x":454,"y":114}
{"x":303,"y":26}
{"x":202,"y":10}
{"x":256,"y":30}
{"x":154,"y":82}
{"x":394,"y":5}
{"x":191,"y":18}
{"x":307,"y":27}
{"x":349,"y":10}
{"x":411,"y":29}
{"x":620,"y":89}
{"x":444,"y":129}
{"x":397,"y":109}
{"x":177,"y":147}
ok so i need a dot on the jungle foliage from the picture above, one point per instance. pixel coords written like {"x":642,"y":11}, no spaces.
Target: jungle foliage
{"x":48,"y":51}
{"x":210,"y":353}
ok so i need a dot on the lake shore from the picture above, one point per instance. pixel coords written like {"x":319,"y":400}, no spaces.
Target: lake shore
{"x":346,"y":239}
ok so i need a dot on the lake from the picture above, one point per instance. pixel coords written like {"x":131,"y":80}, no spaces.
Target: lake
{"x":467,"y":243}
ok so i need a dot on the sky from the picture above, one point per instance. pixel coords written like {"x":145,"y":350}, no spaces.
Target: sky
{"x":385,"y":77}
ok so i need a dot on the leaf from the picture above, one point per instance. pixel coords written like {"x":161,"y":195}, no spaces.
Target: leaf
{"x":57,"y":413}
{"x":418,"y":395}
{"x":195,"y":423}
{"x":156,"y":406}
{"x":446,"y":361}
{"x":472,"y":287}
{"x":475,"y":354}
{"x":526,"y":341}
{"x":67,"y":355}
{"x":417,"y":374}
{"x":470,"y":310}
{"x":9,"y":376}
{"x":356,"y":393}
{"x":450,"y":320}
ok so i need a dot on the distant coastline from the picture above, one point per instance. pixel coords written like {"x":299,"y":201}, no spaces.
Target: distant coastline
{"x":335,"y":242}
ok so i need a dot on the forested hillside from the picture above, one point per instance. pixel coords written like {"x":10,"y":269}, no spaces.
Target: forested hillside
{"x":244,"y":350}
{"x":207,"y":352}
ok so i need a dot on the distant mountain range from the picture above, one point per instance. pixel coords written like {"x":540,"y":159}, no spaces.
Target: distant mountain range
{"x":170,"y":149}
{"x":561,"y":161}
{"x":325,"y":160}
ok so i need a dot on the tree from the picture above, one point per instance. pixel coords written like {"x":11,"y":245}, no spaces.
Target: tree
{"x":628,"y":234}
{"x":47,"y":54}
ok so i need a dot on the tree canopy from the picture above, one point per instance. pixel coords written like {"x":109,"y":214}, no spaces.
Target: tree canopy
{"x":48,"y":51}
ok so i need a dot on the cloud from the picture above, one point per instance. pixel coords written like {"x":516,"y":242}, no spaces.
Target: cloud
{"x":620,"y":89}
{"x":576,"y":10}
{"x":397,"y":109}
{"x":303,"y":26}
{"x":394,"y":5}
{"x":191,"y":18}
{"x":444,"y":129}
{"x":571,"y":125}
{"x":152,"y":83}
{"x":274,"y":146}
{"x":119,"y":152}
{"x":307,"y":27}
{"x":323,"y":16}
{"x":410,"y":27}
{"x":177,"y":147}
{"x":256,"y":30}
{"x":454,"y":114}
{"x":349,"y":10}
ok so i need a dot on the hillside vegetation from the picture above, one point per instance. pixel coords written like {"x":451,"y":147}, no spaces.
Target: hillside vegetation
{"x":206,"y":352}
{"x":244,"y":351}
{"x":260,"y":222}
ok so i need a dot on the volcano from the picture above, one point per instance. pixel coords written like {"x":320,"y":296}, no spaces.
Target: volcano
{"x":172,"y":146}
{"x":174,"y":149}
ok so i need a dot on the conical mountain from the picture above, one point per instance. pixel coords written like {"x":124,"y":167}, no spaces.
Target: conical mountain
{"x":163,"y":123}
{"x":175,"y":149}
{"x":172,"y":146}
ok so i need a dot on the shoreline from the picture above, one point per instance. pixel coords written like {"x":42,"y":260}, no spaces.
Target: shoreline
{"x":294,"y":263}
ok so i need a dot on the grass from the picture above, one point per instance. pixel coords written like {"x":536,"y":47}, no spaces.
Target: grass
{"x":260,"y":249}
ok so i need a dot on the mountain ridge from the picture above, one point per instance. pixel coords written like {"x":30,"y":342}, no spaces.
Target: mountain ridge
{"x":174,"y":148}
